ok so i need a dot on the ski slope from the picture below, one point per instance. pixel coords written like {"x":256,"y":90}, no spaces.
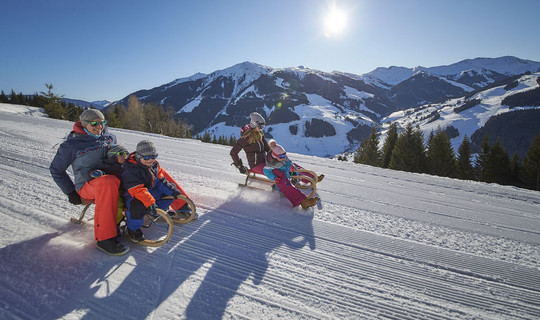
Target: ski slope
{"x":382,"y":244}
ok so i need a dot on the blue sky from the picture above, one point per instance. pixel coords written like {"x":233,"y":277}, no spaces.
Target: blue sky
{"x":94,"y":50}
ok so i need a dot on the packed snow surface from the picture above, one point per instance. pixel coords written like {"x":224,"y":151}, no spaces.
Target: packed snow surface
{"x":381,"y":244}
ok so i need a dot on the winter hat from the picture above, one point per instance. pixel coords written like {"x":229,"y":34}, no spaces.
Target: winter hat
{"x":272,"y":143}
{"x":277,"y":151}
{"x":256,"y":120}
{"x":90,"y":115}
{"x":146,"y":148}
{"x":114,"y":151}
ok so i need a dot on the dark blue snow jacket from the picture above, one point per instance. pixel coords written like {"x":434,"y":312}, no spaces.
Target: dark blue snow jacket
{"x":81,"y":151}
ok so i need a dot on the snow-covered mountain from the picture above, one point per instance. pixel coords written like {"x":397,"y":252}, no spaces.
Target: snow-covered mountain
{"x":382,"y":244}
{"x":321,"y":113}
{"x":101,"y":104}
{"x":466,"y":115}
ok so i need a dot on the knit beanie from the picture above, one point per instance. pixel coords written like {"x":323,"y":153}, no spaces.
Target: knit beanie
{"x":272,"y":143}
{"x":90,"y":115}
{"x":114,"y":151}
{"x":277,"y":150}
{"x":256,"y":120}
{"x":146,"y":148}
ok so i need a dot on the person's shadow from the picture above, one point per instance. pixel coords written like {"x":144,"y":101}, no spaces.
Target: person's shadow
{"x":208,"y":259}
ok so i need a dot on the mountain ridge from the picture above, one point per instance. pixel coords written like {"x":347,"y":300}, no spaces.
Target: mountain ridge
{"x":291,"y":98}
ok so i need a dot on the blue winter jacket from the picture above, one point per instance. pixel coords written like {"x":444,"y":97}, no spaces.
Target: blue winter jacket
{"x":84,"y":153}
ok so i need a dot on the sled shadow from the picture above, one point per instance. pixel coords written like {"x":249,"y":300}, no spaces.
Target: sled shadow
{"x":193,"y":276}
{"x":39,"y":274}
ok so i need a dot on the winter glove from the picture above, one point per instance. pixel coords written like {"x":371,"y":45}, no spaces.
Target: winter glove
{"x":151,"y":210}
{"x":97,"y":173}
{"x":277,"y":179}
{"x":176,"y":193}
{"x":241,"y":167}
{"x":74,"y":198}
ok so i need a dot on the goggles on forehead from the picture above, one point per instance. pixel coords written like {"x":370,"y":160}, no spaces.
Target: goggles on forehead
{"x":96,"y":123}
{"x":150,"y":157}
{"x":279,"y":156}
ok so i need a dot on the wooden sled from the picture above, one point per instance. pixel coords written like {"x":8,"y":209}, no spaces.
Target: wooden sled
{"x":163,"y":222}
{"x":298,"y":178}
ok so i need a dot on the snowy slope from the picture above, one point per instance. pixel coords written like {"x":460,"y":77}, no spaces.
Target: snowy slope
{"x":467,"y":121}
{"x":382,"y":244}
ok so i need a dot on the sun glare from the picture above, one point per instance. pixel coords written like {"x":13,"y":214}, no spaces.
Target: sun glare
{"x":335,"y":22}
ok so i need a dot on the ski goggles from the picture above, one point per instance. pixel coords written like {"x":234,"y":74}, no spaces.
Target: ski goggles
{"x":279,"y":156}
{"x":122,"y":153}
{"x":96,"y":123}
{"x":154,"y":156}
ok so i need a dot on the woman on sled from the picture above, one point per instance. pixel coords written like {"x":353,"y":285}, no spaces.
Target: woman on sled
{"x":254,"y":144}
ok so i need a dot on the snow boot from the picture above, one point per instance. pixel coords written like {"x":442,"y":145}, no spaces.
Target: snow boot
{"x":112,"y":247}
{"x":136,"y":235}
{"x":309,"y":202}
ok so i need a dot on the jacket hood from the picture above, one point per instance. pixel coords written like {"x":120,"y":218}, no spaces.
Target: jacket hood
{"x":78,"y":128}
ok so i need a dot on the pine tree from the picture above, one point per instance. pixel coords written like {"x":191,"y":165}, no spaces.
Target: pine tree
{"x":72,"y":112}
{"x":3,"y":97}
{"x":13,"y":98}
{"x":409,"y":152}
{"x":441,"y":159}
{"x":482,"y":160}
{"x":530,"y":171}
{"x":155,"y":119}
{"x":369,"y":153}
{"x":464,"y":166}
{"x":498,"y":165}
{"x":53,"y":105}
{"x":113,"y":120}
{"x":21,"y":98}
{"x":389,"y":144}
{"x":514,"y":171}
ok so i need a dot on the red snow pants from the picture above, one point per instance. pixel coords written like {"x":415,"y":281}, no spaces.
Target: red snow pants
{"x":290,"y":192}
{"x":104,"y":192}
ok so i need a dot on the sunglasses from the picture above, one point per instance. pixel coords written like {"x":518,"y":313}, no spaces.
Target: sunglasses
{"x":123,"y":153}
{"x":96,"y":123}
{"x":260,"y":125}
{"x":150,"y":157}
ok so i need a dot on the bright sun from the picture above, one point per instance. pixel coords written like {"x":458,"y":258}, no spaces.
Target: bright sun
{"x":335,"y":22}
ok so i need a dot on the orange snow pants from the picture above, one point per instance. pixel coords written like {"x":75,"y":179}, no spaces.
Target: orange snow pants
{"x":104,"y":192}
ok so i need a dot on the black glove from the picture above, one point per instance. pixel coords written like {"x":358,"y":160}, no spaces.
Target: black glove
{"x":151,"y":210}
{"x":241,"y":167}
{"x":176,"y":193}
{"x":74,"y":197}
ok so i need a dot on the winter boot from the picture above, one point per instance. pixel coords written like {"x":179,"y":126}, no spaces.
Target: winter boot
{"x":136,"y":235}
{"x":112,"y":247}
{"x":309,"y":202}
